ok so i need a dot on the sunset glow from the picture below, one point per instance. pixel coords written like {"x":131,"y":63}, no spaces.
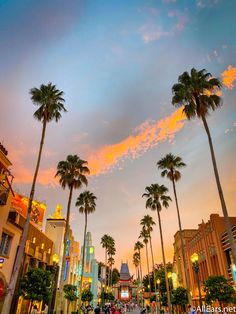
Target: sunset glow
{"x":229,"y":76}
{"x":145,"y":137}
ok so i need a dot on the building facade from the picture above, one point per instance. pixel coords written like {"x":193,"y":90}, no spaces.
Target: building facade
{"x":210,"y":242}
{"x":10,"y":233}
{"x":125,"y":290}
{"x":90,"y":275}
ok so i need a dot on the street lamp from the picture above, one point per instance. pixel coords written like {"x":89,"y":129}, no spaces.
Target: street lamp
{"x":195,"y":264}
{"x":159,"y":302}
{"x":103,"y":294}
{"x":169,"y":276}
{"x":55,"y":271}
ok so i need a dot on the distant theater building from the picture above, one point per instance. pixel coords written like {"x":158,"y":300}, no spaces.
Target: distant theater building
{"x":210,"y":242}
{"x":124,"y":290}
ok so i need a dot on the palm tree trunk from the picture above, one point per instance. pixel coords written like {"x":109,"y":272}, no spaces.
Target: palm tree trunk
{"x":164,"y":262}
{"x":105,"y":267}
{"x":20,"y":253}
{"x":66,"y":234}
{"x":182,"y":244}
{"x":111,"y":274}
{"x":149,"y":281}
{"x":83,"y":257}
{"x":221,"y":195}
{"x":141,"y":273}
{"x":153,"y":269}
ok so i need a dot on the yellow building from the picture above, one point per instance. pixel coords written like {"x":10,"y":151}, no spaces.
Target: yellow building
{"x":10,"y":233}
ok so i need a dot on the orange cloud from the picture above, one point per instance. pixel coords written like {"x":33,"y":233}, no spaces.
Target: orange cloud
{"x":229,"y":76}
{"x":146,"y":136}
{"x":24,"y":175}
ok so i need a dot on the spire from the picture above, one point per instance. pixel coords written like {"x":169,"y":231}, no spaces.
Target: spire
{"x":57,"y":212}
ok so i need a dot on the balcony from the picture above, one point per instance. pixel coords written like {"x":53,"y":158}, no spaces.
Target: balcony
{"x":4,"y":192}
{"x":6,"y":179}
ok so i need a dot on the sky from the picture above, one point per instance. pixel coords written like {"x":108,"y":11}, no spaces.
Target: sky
{"x":116,"y":62}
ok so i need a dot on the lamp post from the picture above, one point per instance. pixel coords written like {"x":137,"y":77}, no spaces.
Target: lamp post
{"x":195,"y":264}
{"x":55,"y":261}
{"x":159,"y":302}
{"x":169,"y":276}
{"x":103,"y":294}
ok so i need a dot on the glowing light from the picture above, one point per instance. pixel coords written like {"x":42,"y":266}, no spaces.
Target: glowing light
{"x":194,"y":258}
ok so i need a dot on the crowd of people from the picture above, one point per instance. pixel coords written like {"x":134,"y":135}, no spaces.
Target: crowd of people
{"x":111,"y":308}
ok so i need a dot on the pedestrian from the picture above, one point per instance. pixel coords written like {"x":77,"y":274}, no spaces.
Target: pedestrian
{"x":34,"y":310}
{"x":45,"y":311}
{"x":97,"y":309}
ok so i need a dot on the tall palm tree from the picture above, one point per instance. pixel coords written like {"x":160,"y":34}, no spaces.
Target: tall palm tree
{"x":136,"y":262}
{"x":170,"y":166}
{"x":145,"y":236}
{"x":148,"y":223}
{"x":105,"y":242}
{"x":51,"y":104}
{"x":72,"y":174}
{"x":156,"y":199}
{"x":197,"y":92}
{"x":111,"y":251}
{"x":87,"y":205}
{"x":111,"y":262}
{"x":138,"y":246}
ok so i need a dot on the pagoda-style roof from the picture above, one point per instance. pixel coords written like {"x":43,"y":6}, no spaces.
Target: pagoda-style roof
{"x":124,"y":272}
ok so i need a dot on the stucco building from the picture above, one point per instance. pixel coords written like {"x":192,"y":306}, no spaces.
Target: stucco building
{"x":210,"y":242}
{"x":90,"y":275}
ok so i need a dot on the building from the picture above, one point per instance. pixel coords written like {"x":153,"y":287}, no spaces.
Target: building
{"x":55,"y":229}
{"x":210,"y":242}
{"x":38,"y":248}
{"x":178,"y":265}
{"x":9,"y":232}
{"x":124,"y":290}
{"x":90,"y":275}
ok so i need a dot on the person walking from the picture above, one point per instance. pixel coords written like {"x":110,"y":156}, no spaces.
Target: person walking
{"x":97,"y":309}
{"x":45,"y":311}
{"x":34,"y":310}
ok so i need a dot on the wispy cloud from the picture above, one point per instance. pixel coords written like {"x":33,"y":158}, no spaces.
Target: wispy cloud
{"x":151,"y":31}
{"x":201,"y":4}
{"x":145,"y":137}
{"x":229,"y":76}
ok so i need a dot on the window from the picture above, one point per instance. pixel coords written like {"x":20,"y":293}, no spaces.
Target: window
{"x":5,"y":244}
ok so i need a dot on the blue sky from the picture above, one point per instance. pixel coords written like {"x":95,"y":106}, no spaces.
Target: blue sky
{"x":116,"y":61}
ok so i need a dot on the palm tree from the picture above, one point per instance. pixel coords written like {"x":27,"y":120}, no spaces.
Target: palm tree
{"x":51,"y":104}
{"x":156,"y":199}
{"x":87,"y":205}
{"x":170,"y":166}
{"x":105,"y":242}
{"x":147,"y":222}
{"x":138,"y":246}
{"x":72,"y":174}
{"x":197,"y":92}
{"x":111,"y":251}
{"x":111,"y":262}
{"x":136,"y":262}
{"x":145,"y":236}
